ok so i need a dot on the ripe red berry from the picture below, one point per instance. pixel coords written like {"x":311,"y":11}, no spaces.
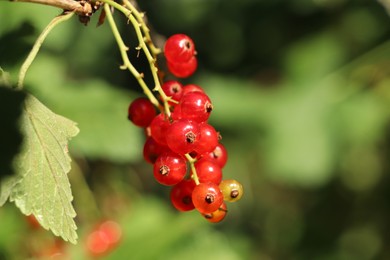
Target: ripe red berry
{"x":179,"y":48}
{"x":104,"y":238}
{"x":208,"y":171}
{"x":181,"y":195}
{"x":152,"y":150}
{"x":158,"y":128}
{"x":218,"y":215}
{"x":97,"y":243}
{"x":173,"y":89}
{"x":219,"y":155}
{"x":196,"y":106}
{"x":183,"y":69}
{"x":112,"y":231}
{"x":207,"y":197}
{"x":191,"y":88}
{"x":175,"y":112}
{"x":141,"y":112}
{"x":170,"y":168}
{"x":208,"y":139}
{"x":182,"y":136}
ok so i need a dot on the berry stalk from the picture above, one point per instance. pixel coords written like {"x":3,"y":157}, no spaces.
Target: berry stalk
{"x":123,"y":51}
{"x":139,"y":16}
{"x":194,"y":175}
{"x":137,"y":24}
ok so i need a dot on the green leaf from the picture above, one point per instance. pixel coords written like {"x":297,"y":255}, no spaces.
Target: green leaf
{"x":6,"y":187}
{"x":99,"y":108}
{"x":43,"y":164}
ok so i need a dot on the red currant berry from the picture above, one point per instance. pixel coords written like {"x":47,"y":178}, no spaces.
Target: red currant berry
{"x":182,"y":136}
{"x":173,"y":89}
{"x":179,"y":48}
{"x":191,"y":88}
{"x":170,"y":168}
{"x":208,"y":139}
{"x":97,"y":243}
{"x":141,"y":112}
{"x":175,"y":112}
{"x":232,"y":190}
{"x":207,"y":197}
{"x":218,"y":215}
{"x":183,"y":70}
{"x":208,"y":171}
{"x":112,"y":232}
{"x":219,"y":155}
{"x":196,"y":106}
{"x":181,"y":195}
{"x":158,"y":128}
{"x":152,"y":150}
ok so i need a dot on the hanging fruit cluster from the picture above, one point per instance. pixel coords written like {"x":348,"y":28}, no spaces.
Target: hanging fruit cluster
{"x":183,"y":147}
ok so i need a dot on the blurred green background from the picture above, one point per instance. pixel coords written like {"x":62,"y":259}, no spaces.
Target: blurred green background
{"x":301,"y":91}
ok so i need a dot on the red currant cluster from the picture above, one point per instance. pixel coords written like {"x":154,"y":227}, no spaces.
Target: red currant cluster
{"x":182,"y":143}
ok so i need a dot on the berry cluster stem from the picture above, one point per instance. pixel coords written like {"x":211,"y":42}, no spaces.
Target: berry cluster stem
{"x":139,"y":16}
{"x":136,"y":20}
{"x":123,"y":51}
{"x":194,"y":175}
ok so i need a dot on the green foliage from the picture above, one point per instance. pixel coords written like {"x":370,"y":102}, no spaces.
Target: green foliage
{"x":41,"y":186}
{"x":96,"y":106}
{"x":301,"y":96}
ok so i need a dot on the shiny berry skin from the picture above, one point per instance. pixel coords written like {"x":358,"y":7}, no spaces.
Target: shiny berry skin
{"x":152,"y":150}
{"x":207,"y":197}
{"x":191,"y":88}
{"x":158,"y":128}
{"x":232,"y":190}
{"x":179,"y":48}
{"x":170,"y":168}
{"x":218,"y":215}
{"x":173,"y":89}
{"x":181,"y":195}
{"x":141,"y":112}
{"x":219,"y":155}
{"x":208,"y":139}
{"x":183,"y":70}
{"x":196,"y":106}
{"x":175,"y":112}
{"x":208,"y":171}
{"x":182,"y":136}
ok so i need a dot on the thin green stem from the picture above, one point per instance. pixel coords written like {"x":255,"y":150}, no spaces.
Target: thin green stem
{"x":142,"y":45}
{"x":194,"y":175}
{"x":140,"y":18}
{"x":37,"y":45}
{"x":123,"y":50}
